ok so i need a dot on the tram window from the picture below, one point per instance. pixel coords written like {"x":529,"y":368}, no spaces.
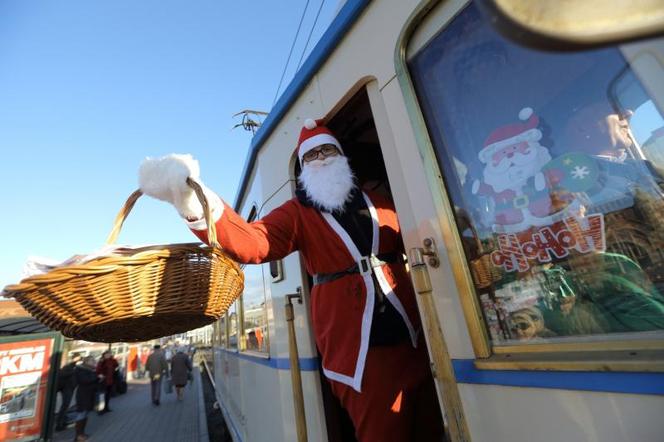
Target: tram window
{"x":219,"y":332}
{"x":232,"y":326}
{"x":254,"y":309}
{"x":554,"y":163}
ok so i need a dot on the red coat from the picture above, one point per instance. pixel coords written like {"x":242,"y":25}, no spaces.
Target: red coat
{"x":107,"y":368}
{"x":341,"y":311}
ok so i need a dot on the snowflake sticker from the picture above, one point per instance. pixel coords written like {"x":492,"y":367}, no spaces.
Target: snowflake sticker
{"x":580,"y":172}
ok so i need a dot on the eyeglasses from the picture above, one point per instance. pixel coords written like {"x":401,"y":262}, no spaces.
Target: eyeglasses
{"x":328,"y":150}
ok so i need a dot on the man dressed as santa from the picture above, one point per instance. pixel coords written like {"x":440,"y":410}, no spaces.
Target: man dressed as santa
{"x":363,"y":307}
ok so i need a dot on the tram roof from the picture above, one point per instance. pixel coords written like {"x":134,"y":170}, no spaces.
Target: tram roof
{"x":21,"y":325}
{"x":341,"y":24}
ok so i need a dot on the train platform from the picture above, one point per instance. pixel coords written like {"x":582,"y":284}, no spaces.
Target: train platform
{"x":135,"y":419}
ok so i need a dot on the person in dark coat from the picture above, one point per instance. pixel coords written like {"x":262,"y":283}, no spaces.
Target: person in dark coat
{"x":66,"y":386}
{"x":180,"y":369}
{"x":87,"y":382}
{"x":106,"y":367}
{"x":157,"y":367}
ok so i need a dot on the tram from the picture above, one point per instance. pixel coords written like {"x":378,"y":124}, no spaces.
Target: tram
{"x":528,"y":182}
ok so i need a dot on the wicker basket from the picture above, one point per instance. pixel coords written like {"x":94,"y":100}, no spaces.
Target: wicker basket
{"x":138,"y":294}
{"x":484,"y":272}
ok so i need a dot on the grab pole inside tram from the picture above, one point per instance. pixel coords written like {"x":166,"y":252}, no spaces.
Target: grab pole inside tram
{"x":296,"y":375}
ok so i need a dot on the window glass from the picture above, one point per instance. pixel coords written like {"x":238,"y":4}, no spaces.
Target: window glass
{"x":254,"y":309}
{"x":232,"y":326}
{"x":219,"y":332}
{"x":554,"y":163}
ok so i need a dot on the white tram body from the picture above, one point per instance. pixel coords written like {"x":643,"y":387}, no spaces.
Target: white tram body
{"x":547,"y":393}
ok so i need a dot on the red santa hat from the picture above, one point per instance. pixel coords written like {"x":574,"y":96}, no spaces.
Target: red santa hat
{"x":511,"y":134}
{"x":314,"y":134}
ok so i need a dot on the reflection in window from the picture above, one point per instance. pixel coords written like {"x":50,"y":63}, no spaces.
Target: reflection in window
{"x":232,"y":326}
{"x":554,"y":165}
{"x":219,"y":332}
{"x":254,"y":309}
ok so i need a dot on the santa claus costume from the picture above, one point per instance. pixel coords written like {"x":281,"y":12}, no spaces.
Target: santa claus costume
{"x":363,"y":307}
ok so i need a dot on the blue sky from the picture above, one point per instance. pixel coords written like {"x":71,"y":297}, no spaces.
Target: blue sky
{"x":90,"y":88}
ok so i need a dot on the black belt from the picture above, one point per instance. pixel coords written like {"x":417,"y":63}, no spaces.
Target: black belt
{"x":363,"y":266}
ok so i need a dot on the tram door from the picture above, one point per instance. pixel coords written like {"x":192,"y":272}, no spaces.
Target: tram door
{"x":354,"y":126}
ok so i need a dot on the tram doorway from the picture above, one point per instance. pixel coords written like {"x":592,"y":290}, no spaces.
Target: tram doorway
{"x":354,"y":127}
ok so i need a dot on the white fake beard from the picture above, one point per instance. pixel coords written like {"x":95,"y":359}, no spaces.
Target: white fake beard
{"x":328,"y":182}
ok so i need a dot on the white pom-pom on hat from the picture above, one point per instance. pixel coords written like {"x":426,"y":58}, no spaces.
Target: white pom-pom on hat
{"x":310,"y":123}
{"x":525,"y":113}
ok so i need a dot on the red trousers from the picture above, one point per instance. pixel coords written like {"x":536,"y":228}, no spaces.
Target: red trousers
{"x":398,"y":402}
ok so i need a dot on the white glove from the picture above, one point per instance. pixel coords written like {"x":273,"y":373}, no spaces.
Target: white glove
{"x":165,"y":179}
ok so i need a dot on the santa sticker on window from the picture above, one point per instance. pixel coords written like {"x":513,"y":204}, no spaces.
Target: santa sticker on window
{"x":532,"y":203}
{"x":525,"y":188}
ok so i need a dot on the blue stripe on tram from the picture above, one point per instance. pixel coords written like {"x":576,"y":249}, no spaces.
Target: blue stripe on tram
{"x":466,"y":373}
{"x":605,"y":381}
{"x":306,"y":364}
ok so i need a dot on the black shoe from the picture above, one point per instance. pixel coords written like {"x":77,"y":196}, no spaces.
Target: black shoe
{"x":60,"y":427}
{"x":156,"y":402}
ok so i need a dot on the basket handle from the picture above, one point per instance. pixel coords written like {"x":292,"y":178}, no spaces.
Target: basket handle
{"x":124,"y":212}
{"x":468,"y":222}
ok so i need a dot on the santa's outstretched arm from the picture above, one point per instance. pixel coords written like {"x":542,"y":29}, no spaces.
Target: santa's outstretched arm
{"x":273,"y":237}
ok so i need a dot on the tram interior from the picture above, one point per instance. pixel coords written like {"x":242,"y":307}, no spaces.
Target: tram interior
{"x":354,"y":127}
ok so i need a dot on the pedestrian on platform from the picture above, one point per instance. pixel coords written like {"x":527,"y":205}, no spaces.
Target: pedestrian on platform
{"x":87,"y":384}
{"x":107,"y":367}
{"x":133,"y":362}
{"x":157,"y":368}
{"x":363,"y":309}
{"x":143,"y":359}
{"x":180,"y":371}
{"x":66,"y":386}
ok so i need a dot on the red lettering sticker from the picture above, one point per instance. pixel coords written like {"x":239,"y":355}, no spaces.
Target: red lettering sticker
{"x":584,"y":235}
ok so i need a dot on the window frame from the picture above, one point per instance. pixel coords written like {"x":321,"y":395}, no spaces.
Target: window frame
{"x":426,"y":23}
{"x":221,"y":335}
{"x":238,"y":340}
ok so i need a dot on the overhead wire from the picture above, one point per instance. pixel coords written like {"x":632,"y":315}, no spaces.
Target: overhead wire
{"x":320,"y":8}
{"x":290,"y":53}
